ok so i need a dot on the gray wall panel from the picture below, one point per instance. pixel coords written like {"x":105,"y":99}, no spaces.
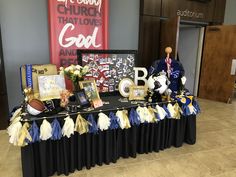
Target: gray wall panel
{"x":230,"y":12}
{"x":25,"y":39}
{"x":124,"y":24}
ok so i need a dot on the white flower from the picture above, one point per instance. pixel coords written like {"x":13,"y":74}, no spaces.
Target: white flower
{"x":71,"y":68}
{"x":67,"y":69}
{"x":77,"y":73}
{"x":78,"y":67}
{"x":85,"y":69}
{"x":61,"y":68}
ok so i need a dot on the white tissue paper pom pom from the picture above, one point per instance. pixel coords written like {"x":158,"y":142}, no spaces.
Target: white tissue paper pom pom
{"x":68,"y":127}
{"x":161,"y":112}
{"x":14,"y":131}
{"x":104,"y":121}
{"x":16,"y":114}
{"x":171,"y":110}
{"x":45,"y":130}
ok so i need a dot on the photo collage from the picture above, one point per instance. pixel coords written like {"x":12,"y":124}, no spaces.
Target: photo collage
{"x":109,"y":69}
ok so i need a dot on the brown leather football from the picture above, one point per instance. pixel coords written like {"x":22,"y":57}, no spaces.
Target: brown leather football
{"x":37,"y":104}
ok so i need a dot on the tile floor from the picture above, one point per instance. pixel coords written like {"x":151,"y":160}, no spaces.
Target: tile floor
{"x":214,"y":153}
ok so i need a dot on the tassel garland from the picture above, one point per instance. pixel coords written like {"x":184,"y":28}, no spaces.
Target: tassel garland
{"x":23,"y":135}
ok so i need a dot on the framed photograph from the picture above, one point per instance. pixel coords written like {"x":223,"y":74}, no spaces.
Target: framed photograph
{"x":137,"y":92}
{"x":90,"y":89}
{"x":51,"y":86}
{"x":82,"y":98}
{"x":124,"y":87}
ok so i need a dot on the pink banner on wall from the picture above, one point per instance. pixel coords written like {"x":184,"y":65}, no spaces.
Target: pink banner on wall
{"x":76,"y":24}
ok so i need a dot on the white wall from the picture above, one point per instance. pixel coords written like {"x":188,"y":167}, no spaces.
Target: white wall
{"x":25,"y":35}
{"x":230,"y":12}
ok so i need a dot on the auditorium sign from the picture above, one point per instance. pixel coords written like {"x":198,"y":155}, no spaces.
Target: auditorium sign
{"x":190,"y":14}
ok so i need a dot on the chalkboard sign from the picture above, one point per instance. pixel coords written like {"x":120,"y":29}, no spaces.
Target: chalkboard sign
{"x":108,"y":67}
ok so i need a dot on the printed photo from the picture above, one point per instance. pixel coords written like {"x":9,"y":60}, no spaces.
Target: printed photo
{"x":137,"y":92}
{"x":90,"y":89}
{"x":81,"y":98}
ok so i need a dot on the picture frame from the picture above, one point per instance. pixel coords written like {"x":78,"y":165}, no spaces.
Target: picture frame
{"x":90,"y":89}
{"x":137,"y":92}
{"x":50,"y":86}
{"x":82,"y":98}
{"x":124,"y":87}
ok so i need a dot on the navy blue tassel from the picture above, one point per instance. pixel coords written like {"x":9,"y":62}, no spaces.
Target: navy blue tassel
{"x":93,"y":128}
{"x":157,"y":117}
{"x":183,"y":107}
{"x":134,"y":117}
{"x":167,"y":111}
{"x":114,"y":121}
{"x":56,"y":130}
{"x":34,"y":133}
{"x":196,"y":106}
{"x":186,"y":110}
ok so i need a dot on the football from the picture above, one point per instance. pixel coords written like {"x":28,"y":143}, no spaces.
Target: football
{"x":35,"y":107}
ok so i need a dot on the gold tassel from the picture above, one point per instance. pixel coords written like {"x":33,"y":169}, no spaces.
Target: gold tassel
{"x":23,"y":135}
{"x":126,"y":119}
{"x":81,"y":125}
{"x":152,"y":113}
{"x":177,"y":111}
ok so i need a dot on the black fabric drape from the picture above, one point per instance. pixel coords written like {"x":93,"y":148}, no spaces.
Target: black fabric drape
{"x":85,"y":151}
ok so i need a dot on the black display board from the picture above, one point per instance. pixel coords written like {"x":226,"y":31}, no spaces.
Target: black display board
{"x":108,"y":67}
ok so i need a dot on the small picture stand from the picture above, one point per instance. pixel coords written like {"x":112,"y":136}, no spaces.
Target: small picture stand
{"x":81,"y":98}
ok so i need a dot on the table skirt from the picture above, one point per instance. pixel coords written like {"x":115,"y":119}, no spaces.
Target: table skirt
{"x":64,"y":156}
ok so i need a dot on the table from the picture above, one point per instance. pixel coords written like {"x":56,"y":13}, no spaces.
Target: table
{"x":66,"y":155}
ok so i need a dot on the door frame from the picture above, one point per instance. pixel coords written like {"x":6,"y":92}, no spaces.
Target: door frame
{"x":199,"y":60}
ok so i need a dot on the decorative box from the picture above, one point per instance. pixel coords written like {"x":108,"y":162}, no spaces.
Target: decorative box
{"x":29,"y":75}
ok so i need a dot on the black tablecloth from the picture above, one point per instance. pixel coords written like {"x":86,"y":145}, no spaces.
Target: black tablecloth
{"x":64,"y":156}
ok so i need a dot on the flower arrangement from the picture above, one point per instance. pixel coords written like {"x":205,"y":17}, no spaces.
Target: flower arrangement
{"x":75,"y":73}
